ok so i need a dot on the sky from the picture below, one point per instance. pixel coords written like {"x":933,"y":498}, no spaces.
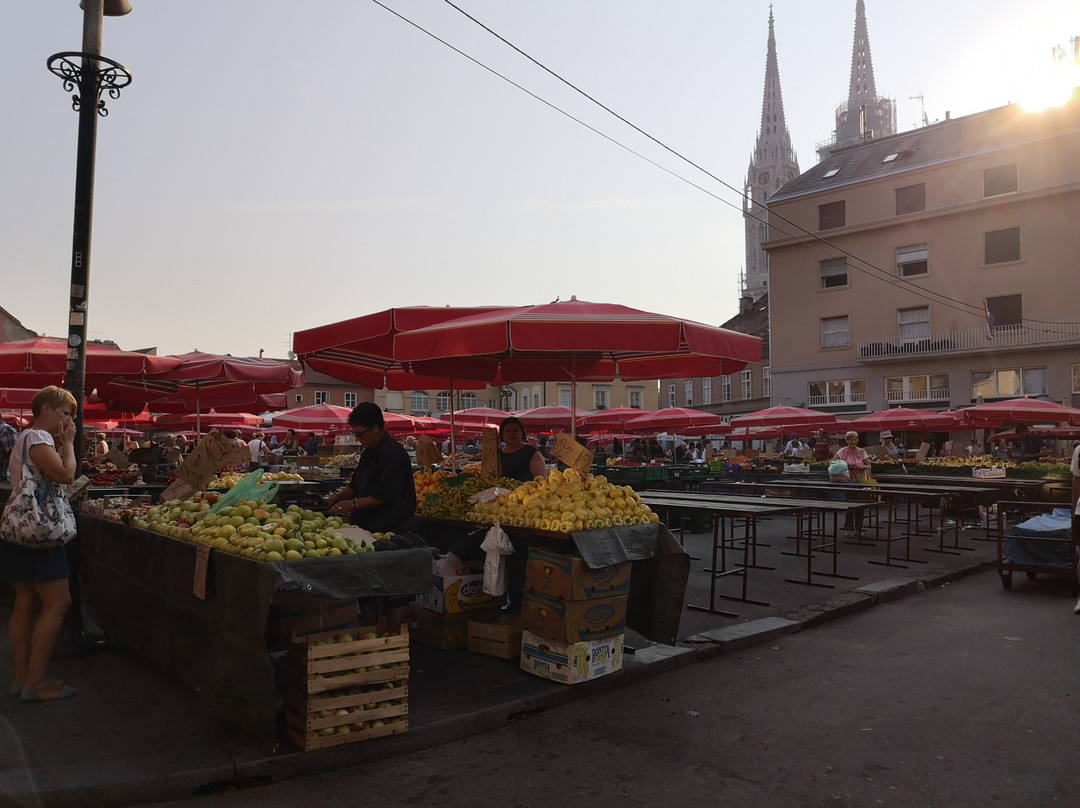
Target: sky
{"x":276,"y":166}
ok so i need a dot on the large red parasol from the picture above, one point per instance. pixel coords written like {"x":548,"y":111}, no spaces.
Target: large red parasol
{"x":552,"y":416}
{"x":783,"y":416}
{"x":208,"y":420}
{"x":41,"y":361}
{"x":902,"y":418}
{"x":679,"y":420}
{"x":314,"y":416}
{"x":1024,"y":411}
{"x":614,"y":418}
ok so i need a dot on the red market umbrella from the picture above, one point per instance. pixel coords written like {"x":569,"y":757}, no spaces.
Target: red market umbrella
{"x":785,"y":417}
{"x":614,"y":418}
{"x":679,"y":420}
{"x":41,"y":361}
{"x":574,"y":341}
{"x":1056,"y":432}
{"x":314,"y":416}
{"x":1025,"y":411}
{"x":550,"y":417}
{"x":901,"y":418}
{"x":210,"y":420}
{"x":477,"y":415}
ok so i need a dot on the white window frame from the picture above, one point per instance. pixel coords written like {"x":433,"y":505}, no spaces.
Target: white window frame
{"x":468,"y":401}
{"x":601,"y":398}
{"x":834,"y":273}
{"x":725,"y":388}
{"x":442,"y":401}
{"x":1076,"y":378}
{"x":706,"y":390}
{"x":566,"y":396}
{"x":419,"y":401}
{"x":913,"y":324}
{"x":688,"y":392}
{"x":671,"y":395}
{"x":836,"y":332}
{"x":912,"y":262}
{"x":766,"y":382}
{"x":350,"y":400}
{"x":746,"y":379}
{"x":322,"y":396}
{"x":1026,"y":382}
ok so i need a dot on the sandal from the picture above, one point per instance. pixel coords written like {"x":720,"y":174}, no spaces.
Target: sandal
{"x":34,"y":693}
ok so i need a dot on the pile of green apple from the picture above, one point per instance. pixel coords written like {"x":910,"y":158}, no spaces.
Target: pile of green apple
{"x":252,"y":528}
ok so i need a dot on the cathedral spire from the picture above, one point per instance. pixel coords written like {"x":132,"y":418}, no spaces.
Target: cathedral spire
{"x":772,"y":163}
{"x":865,"y":116}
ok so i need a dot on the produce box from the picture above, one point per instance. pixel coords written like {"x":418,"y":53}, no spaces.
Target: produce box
{"x":567,"y":577}
{"x":447,"y":631}
{"x":571,"y":663}
{"x":295,"y":613}
{"x":453,"y":594}
{"x":657,"y":472}
{"x":570,"y":621}
{"x":501,"y":639}
{"x":346,"y":658}
{"x":988,"y":474}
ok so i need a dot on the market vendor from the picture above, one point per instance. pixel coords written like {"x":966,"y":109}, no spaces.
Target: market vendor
{"x":519,"y":460}
{"x":381,"y":494}
{"x":1027,"y":446}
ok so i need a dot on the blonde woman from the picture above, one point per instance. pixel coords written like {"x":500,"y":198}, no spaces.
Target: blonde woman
{"x":40,"y":576}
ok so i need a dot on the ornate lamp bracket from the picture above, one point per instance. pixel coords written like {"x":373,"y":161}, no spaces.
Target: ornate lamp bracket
{"x":111,"y":76}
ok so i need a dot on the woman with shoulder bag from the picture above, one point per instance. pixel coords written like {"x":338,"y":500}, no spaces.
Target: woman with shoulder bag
{"x":36,"y":523}
{"x":858,"y":463}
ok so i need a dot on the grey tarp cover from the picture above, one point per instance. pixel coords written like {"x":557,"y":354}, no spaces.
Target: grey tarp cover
{"x":139,"y":588}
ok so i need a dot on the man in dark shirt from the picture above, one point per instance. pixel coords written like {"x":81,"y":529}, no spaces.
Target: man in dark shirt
{"x":381,"y":495}
{"x":1028,"y":447}
{"x":311,"y":445}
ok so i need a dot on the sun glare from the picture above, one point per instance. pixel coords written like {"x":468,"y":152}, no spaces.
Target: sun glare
{"x":1050,"y":84}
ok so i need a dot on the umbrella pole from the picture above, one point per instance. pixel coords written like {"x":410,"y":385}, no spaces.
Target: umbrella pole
{"x":573,"y":397}
{"x":453,"y":460}
{"x":198,"y":406}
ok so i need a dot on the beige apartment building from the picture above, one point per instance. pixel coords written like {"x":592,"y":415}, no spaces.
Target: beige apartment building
{"x":932,"y":268}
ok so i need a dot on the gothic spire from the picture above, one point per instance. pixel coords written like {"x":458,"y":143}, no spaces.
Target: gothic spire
{"x":861,"y":90}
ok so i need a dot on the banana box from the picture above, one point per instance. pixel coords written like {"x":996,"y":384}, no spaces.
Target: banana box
{"x":567,"y":577}
{"x":453,"y":594}
{"x":447,"y":631}
{"x":569,"y":621}
{"x":571,"y":663}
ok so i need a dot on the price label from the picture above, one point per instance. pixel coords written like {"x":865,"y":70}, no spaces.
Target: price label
{"x":213,"y":452}
{"x":572,"y":453}
{"x":490,"y":456}
{"x":427,"y":453}
{"x":117,"y":458}
{"x":202,"y":562}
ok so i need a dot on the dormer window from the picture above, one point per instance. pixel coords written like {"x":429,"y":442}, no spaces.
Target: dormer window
{"x":832,"y":172}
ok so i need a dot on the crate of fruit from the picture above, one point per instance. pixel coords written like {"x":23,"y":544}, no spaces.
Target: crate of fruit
{"x":332,"y":660}
{"x":349,"y":715}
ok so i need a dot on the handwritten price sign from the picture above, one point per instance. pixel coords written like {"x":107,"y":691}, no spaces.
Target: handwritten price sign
{"x":213,"y":452}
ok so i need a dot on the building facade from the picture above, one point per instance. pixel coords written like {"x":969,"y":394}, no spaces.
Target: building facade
{"x":943,"y":268}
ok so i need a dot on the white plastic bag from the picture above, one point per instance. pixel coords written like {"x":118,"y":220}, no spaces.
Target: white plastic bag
{"x":488,"y":495}
{"x":448,"y":565}
{"x":497,"y":546}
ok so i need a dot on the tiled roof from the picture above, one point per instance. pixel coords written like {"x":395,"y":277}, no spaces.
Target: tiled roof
{"x":755,"y":323}
{"x":958,"y":137}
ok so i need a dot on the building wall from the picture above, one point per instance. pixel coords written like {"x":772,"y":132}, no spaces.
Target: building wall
{"x":1045,"y":208}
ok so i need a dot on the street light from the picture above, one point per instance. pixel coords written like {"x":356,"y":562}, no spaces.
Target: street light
{"x":87,"y":79}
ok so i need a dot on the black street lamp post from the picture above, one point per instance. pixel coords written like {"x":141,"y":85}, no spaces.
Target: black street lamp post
{"x":88,"y":78}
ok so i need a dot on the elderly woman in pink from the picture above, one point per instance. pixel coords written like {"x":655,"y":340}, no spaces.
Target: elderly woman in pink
{"x":858,"y":462}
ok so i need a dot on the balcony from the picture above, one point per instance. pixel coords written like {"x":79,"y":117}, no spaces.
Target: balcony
{"x":839,"y":400}
{"x":917,"y":396}
{"x":1024,"y":335}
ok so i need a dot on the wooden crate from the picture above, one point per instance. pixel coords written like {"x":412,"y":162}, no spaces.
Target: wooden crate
{"x":316,"y":668}
{"x":316,"y":721}
{"x":502,"y":639}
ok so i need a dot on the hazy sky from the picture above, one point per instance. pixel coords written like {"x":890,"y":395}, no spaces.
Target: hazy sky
{"x":280,"y":165}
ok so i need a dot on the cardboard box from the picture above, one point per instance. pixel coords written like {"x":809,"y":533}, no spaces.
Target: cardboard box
{"x":453,"y":594}
{"x":567,"y":577}
{"x":295,"y":613}
{"x":569,"y":621}
{"x":446,"y":631}
{"x":995,"y":472}
{"x":571,"y":663}
{"x":502,"y":639}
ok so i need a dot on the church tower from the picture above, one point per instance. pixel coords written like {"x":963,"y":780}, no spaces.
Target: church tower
{"x":772,"y":163}
{"x":865,"y":116}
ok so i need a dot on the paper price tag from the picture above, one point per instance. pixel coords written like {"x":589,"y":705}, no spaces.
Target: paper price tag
{"x":117,"y":458}
{"x":202,"y":562}
{"x":572,"y":453}
{"x":213,"y":452}
{"x":490,"y":457}
{"x":427,"y":453}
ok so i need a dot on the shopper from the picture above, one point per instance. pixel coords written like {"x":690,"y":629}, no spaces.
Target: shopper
{"x":257,"y":447}
{"x":858,"y":463}
{"x":32,"y":556}
{"x":311,"y":445}
{"x":8,"y":436}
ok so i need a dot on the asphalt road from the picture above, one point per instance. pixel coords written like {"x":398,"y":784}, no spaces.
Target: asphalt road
{"x":964,"y":695}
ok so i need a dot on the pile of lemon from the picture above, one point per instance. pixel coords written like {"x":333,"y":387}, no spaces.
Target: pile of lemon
{"x":566,"y":501}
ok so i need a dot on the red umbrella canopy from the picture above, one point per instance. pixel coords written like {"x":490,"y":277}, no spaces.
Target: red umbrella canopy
{"x":681,"y":420}
{"x":552,"y":416}
{"x":616,"y":417}
{"x":361,"y":350}
{"x":1025,"y":411}
{"x":783,"y":416}
{"x":901,"y":418}
{"x":315,"y":416}
{"x":210,"y":419}
{"x":41,"y":361}
{"x":1056,"y":432}
{"x":477,"y":415}
{"x":575,"y":340}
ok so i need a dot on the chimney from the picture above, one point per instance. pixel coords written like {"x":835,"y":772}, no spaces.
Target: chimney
{"x":746,"y":304}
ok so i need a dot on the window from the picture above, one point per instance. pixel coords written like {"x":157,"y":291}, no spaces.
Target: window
{"x":395,"y":401}
{"x":725,"y":388}
{"x":1000,"y":180}
{"x":833,"y":273}
{"x":766,"y":383}
{"x":835,"y":332}
{"x":910,"y":199}
{"x":888,"y":158}
{"x":322,"y":397}
{"x":493,"y":403}
{"x":706,"y":390}
{"x":565,"y":396}
{"x":1003,"y":246}
{"x":671,"y":395}
{"x":419,"y":401}
{"x":911,"y":261}
{"x":832,"y":215}
{"x":468,"y":400}
{"x":1007,"y":383}
{"x":442,"y":402}
{"x":913,"y":324}
{"x":600,"y":399}
{"x":688,"y":392}
{"x":832,"y":172}
{"x":350,"y":400}
{"x":747,"y":380}
{"x":299,"y":398}
{"x":1005,"y":311}
{"x":930,"y":387}
{"x":837,"y":391}
{"x":1076,"y":378}
{"x":635,"y":399}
